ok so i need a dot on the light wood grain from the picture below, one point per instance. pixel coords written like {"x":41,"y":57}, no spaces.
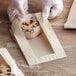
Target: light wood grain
{"x":71,"y":21}
{"x":51,"y":36}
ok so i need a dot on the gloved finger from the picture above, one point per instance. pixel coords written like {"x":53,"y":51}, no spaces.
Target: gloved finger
{"x":47,"y":4}
{"x":21,"y":10}
{"x":12,"y":13}
{"x":25,"y":6}
{"x":46,"y":12}
{"x":55,"y":11}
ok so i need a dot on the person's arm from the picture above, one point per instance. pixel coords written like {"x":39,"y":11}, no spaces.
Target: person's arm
{"x":17,"y":7}
{"x":52,"y":8}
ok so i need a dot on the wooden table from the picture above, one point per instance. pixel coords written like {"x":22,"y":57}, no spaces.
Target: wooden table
{"x":61,"y":67}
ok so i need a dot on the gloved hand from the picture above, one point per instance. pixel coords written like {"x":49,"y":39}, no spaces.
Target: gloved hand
{"x":17,"y":7}
{"x":52,"y":8}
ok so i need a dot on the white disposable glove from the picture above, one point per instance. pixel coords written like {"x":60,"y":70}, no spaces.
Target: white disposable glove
{"x":17,"y":7}
{"x":52,"y":8}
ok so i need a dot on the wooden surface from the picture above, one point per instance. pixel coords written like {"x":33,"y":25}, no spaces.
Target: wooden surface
{"x":67,"y":38}
{"x":4,"y":68}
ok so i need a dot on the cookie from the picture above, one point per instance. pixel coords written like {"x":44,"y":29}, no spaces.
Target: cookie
{"x":5,"y":70}
{"x":31,"y":27}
